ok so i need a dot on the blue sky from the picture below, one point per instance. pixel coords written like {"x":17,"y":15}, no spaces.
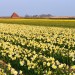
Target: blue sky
{"x":33,"y":7}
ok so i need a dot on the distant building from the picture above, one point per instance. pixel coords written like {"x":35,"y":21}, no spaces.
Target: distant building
{"x":15,"y":15}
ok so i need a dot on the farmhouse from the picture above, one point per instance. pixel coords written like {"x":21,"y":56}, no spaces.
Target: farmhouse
{"x":15,"y":15}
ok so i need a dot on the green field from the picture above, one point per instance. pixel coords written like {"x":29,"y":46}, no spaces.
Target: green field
{"x":42,"y":22}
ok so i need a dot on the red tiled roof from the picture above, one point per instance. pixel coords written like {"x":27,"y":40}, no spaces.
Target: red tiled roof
{"x":14,"y":15}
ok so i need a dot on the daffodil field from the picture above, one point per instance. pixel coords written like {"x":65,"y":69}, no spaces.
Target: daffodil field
{"x":36,"y":50}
